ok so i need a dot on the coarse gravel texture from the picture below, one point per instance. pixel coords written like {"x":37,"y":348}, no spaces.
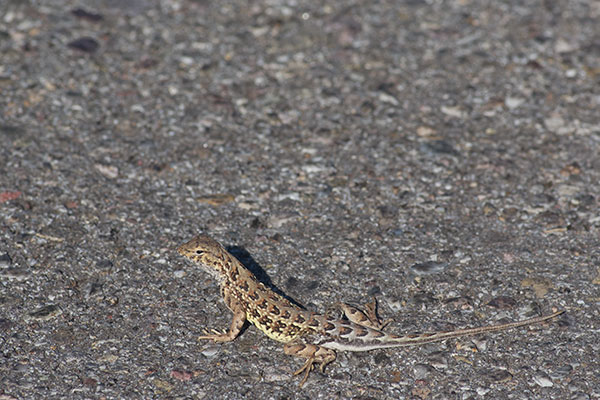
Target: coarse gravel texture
{"x":442,"y":156}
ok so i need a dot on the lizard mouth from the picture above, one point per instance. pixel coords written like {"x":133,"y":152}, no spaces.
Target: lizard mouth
{"x":182,"y":250}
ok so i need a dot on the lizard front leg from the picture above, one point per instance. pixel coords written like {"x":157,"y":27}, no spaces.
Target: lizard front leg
{"x":239,"y":318}
{"x":313,"y":354}
{"x":368,"y":317}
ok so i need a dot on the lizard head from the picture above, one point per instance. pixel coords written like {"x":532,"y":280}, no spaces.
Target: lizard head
{"x":207,"y":253}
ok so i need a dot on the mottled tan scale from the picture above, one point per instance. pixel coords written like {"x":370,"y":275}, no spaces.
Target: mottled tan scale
{"x":306,"y":334}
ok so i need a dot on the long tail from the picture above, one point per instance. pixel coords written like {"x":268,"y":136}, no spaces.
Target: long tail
{"x":421,"y":338}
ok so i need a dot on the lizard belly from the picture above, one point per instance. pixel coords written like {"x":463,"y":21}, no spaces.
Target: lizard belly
{"x":276,"y":330}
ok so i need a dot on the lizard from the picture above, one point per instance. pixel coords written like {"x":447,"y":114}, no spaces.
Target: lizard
{"x":306,"y":334}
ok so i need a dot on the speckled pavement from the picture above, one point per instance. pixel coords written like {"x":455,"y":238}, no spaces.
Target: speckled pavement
{"x":443,"y":156}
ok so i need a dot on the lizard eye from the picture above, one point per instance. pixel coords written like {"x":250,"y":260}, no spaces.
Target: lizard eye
{"x":199,"y":252}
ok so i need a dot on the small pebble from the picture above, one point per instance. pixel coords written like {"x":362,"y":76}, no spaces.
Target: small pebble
{"x":483,"y":391}
{"x":87,"y":15}
{"x":108,"y":171}
{"x":500,"y":375}
{"x":210,"y":351}
{"x":16,"y":274}
{"x":580,"y":396}
{"x":181,"y":375}
{"x":513,"y":102}
{"x":92,"y":288}
{"x":5,"y":260}
{"x":179,"y":273}
{"x":421,"y":371}
{"x":502,"y":302}
{"x":428,"y":268}
{"x":480,"y":343}
{"x":571,"y":73}
{"x":453,"y":111}
{"x":84,"y":44}
{"x":44,"y":313}
{"x":438,"y":361}
{"x":274,"y":377}
{"x":542,"y":379}
{"x":554,"y":123}
{"x":438,"y":147}
{"x":104,"y":264}
{"x":561,"y":372}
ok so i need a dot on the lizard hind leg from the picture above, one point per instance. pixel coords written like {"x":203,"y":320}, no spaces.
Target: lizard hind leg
{"x":368,"y":317}
{"x":314,"y":355}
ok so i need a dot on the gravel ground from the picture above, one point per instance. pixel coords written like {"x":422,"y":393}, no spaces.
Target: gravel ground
{"x":442,"y":156}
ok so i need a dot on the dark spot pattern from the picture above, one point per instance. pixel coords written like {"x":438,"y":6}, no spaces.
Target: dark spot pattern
{"x":377,"y":334}
{"x":274,"y":310}
{"x":274,"y":297}
{"x":244,"y":286}
{"x":234,"y":273}
{"x":299,"y":319}
{"x":262,"y":304}
{"x":328,"y":326}
{"x":360,"y":332}
{"x":344,"y":330}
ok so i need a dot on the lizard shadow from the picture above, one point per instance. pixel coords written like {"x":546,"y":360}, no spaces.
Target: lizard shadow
{"x":242,"y":255}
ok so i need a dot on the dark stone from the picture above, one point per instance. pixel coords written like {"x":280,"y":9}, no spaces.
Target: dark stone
{"x":85,"y":44}
{"x":87,"y":15}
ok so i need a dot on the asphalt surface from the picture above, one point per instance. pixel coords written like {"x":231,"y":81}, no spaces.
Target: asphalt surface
{"x":442,"y":156}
